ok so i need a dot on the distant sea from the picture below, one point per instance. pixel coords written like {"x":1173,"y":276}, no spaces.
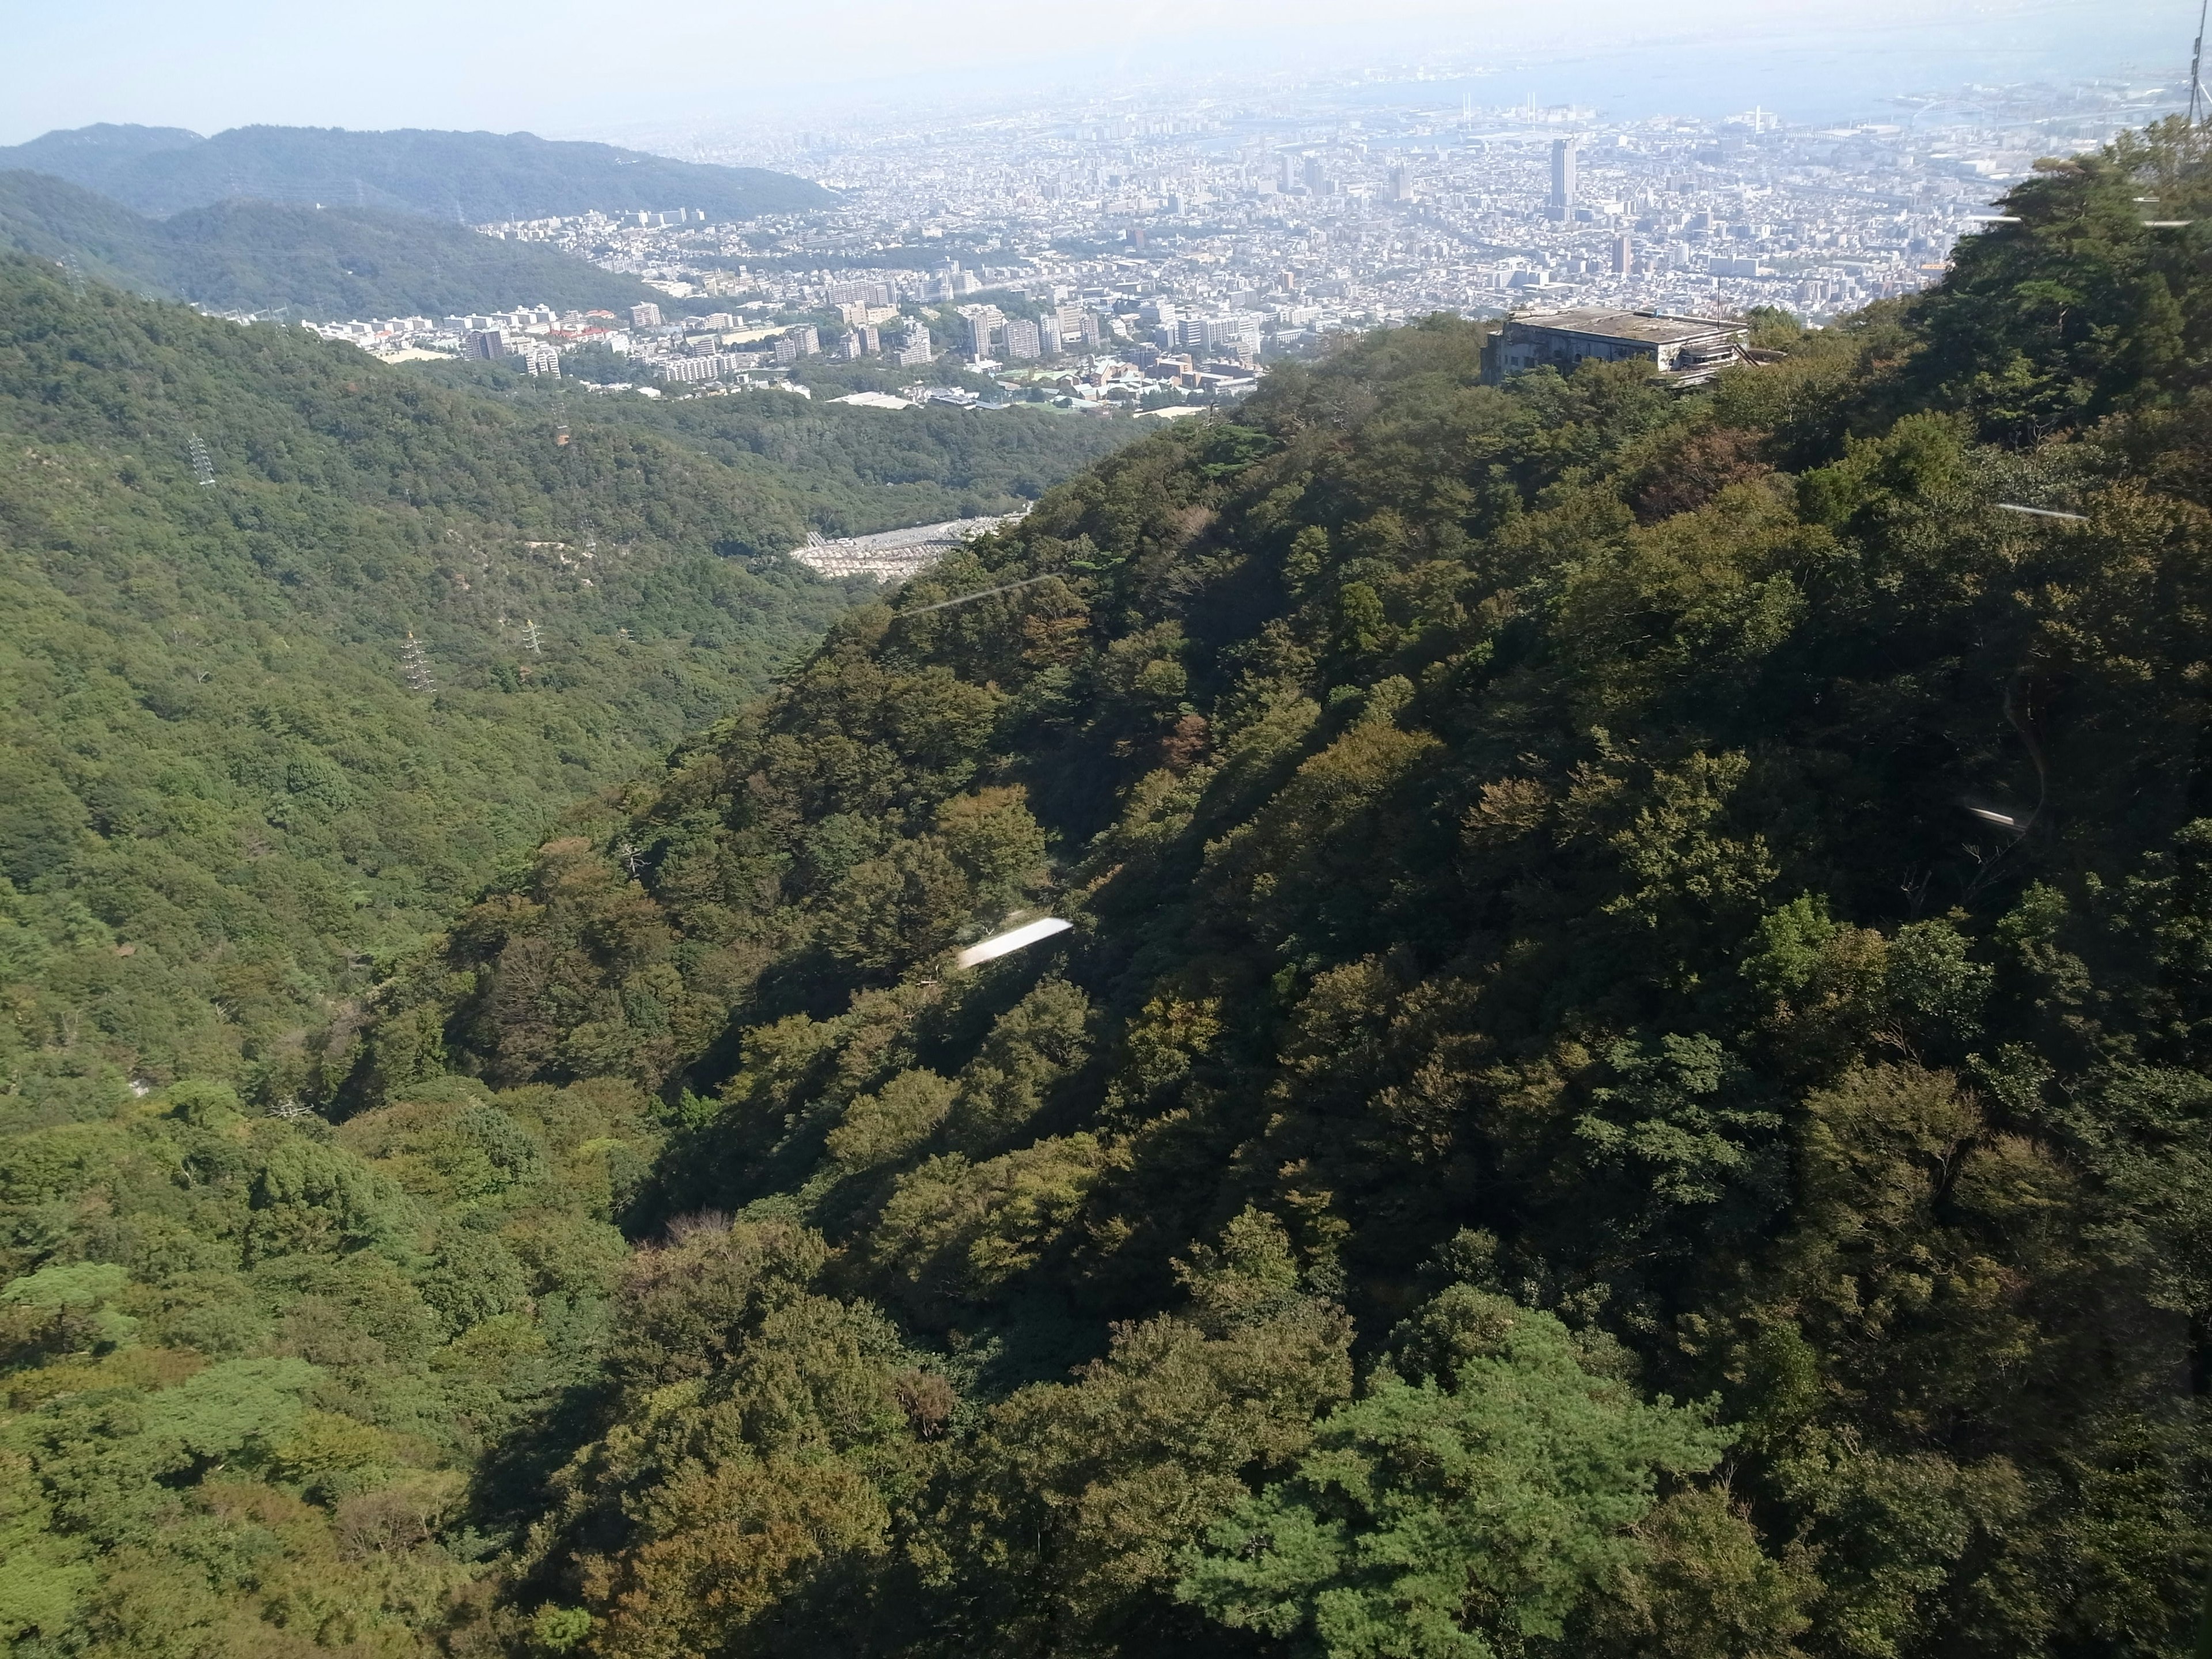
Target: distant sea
{"x":1803,"y":70}
{"x":1834,"y":74}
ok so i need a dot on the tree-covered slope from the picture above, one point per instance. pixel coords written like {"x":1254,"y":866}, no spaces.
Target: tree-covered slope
{"x":1631,"y":1076}
{"x":1585,"y":898}
{"x":220,"y":798}
{"x":856,"y":469}
{"x":473,"y":176}
{"x":319,"y":262}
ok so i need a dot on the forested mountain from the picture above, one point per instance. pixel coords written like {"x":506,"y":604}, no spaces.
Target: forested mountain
{"x":1631,"y":1076}
{"x":469,"y":177}
{"x":220,"y":796}
{"x":222,"y":799}
{"x":319,"y":262}
{"x":855,"y":469}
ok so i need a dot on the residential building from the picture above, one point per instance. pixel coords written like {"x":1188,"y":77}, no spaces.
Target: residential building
{"x":982,"y":321}
{"x":645,"y":314}
{"x":536,"y":357}
{"x":704,"y":368}
{"x":1021,"y":339}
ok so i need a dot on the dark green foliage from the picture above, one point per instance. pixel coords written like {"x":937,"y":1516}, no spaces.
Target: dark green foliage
{"x":2086,"y":305}
{"x":860,"y":470}
{"x":472,"y":177}
{"x":1585,"y":900}
{"x":1453,"y":1518}
{"x":321,"y":261}
{"x":252,"y":1364}
{"x":1528,"y":900}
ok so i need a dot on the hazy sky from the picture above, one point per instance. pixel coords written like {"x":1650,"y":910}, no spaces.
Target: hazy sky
{"x":566,"y":70}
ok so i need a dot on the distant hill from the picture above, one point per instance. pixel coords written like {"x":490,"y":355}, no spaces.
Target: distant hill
{"x":475,"y":177}
{"x":325,"y":262}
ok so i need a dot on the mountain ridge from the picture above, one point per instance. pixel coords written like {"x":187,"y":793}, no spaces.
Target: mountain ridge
{"x":474,"y":178}
{"x":325,"y":263}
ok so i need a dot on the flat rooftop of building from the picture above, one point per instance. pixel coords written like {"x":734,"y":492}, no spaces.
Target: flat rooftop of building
{"x":1642,"y":325}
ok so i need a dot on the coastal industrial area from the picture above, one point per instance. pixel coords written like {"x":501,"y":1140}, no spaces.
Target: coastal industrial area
{"x":1154,"y":257}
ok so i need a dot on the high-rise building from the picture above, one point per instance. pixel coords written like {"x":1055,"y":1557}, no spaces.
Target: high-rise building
{"x":807,"y":338}
{"x":1562,"y":174}
{"x":1283,"y":180}
{"x":1022,"y":341}
{"x":1316,"y":180}
{"x":915,"y":349}
{"x":1401,"y":183}
{"x":1089,"y":328}
{"x":485,"y":343}
{"x":870,"y":341}
{"x":1624,"y":256}
{"x":983,"y":322}
{"x":645,"y":314}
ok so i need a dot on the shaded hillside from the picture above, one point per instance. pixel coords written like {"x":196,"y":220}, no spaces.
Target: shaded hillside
{"x":469,"y":177}
{"x":321,"y":263}
{"x":1584,"y":897}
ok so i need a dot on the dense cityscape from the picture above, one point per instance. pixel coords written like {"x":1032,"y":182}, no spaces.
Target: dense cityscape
{"x":1162,"y":251}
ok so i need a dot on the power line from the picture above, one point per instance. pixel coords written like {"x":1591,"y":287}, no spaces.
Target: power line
{"x":981,"y":593}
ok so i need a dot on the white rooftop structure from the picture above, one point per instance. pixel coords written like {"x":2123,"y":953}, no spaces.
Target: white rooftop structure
{"x":894,"y":555}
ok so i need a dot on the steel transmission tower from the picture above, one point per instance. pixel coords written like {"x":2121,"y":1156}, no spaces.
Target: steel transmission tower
{"x":2200,"y":106}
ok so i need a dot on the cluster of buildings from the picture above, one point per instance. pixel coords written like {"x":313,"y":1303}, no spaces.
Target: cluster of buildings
{"x":1147,"y":253}
{"x":1349,"y":206}
{"x":533,"y":337}
{"x":1093,"y":349}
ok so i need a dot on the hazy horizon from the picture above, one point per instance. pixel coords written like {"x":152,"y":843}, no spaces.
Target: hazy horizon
{"x":554,"y":71}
